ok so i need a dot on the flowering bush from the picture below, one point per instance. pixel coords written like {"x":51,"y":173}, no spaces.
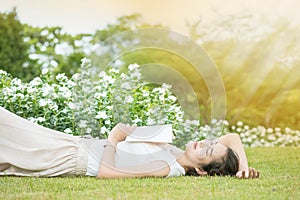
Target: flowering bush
{"x":262,"y":136}
{"x":251,"y":137}
{"x":45,"y":100}
{"x":88,"y":103}
{"x":92,"y":103}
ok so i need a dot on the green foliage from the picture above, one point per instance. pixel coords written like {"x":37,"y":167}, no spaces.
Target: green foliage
{"x":13,"y":49}
{"x":93,"y":103}
{"x":53,"y":49}
{"x":258,"y":59}
{"x":124,"y":23}
{"x":26,"y":50}
{"x":90,"y":103}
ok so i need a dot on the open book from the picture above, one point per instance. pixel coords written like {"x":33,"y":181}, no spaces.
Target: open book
{"x":158,"y":133}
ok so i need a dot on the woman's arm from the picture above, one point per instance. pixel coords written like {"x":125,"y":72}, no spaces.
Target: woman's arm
{"x":233,"y":141}
{"x":108,"y":168}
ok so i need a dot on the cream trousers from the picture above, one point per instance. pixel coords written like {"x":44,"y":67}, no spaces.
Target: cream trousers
{"x":28,"y":149}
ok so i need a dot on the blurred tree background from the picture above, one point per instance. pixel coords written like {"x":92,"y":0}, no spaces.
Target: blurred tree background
{"x":257,"y":57}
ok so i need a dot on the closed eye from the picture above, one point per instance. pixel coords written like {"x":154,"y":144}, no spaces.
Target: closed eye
{"x":210,"y":151}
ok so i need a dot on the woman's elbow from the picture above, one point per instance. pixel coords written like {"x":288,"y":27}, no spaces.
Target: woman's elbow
{"x":233,"y":135}
{"x":104,"y":173}
{"x":101,"y":175}
{"x":229,"y":139}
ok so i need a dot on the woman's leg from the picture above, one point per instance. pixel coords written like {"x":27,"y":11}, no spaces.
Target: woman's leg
{"x":32,"y":150}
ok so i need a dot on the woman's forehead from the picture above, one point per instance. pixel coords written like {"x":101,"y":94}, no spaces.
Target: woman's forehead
{"x":210,"y":140}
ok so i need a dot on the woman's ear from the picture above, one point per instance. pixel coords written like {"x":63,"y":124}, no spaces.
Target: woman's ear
{"x":200,"y":172}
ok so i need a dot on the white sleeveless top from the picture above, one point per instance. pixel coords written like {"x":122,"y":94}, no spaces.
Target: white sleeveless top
{"x":130,"y":154}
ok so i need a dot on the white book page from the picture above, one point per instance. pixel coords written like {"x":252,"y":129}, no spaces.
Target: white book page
{"x":158,"y":133}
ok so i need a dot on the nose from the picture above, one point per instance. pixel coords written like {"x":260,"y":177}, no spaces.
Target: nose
{"x":201,"y":143}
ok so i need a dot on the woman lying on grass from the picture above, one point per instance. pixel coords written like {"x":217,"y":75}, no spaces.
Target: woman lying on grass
{"x":28,"y":149}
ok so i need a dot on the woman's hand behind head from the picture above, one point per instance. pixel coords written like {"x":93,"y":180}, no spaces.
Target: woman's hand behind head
{"x":250,"y":173}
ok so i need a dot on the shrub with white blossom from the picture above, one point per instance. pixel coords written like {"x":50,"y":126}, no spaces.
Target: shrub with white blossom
{"x":45,"y":100}
{"x":93,"y":103}
{"x":88,"y":103}
{"x":250,"y":136}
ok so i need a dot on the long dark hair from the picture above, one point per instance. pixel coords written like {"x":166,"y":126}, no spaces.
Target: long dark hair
{"x":226,"y":165}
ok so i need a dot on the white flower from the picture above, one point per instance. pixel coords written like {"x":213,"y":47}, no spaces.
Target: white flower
{"x":133,"y":67}
{"x":172,"y":98}
{"x":108,"y":79}
{"x":145,"y":93}
{"x":136,"y":120}
{"x":104,"y":130}
{"x":239,"y":123}
{"x":166,"y":86}
{"x":195,"y":122}
{"x":269,"y":130}
{"x":287,"y":130}
{"x":61,"y":77}
{"x":128,"y":99}
{"x":3,"y":72}
{"x":45,"y":71}
{"x":82,"y":124}
{"x":65,"y":92}
{"x":40,"y":119}
{"x":177,"y":109}
{"x":63,"y":48}
{"x":76,"y":77}
{"x":271,"y":137}
{"x":71,"y":83}
{"x":249,"y":139}
{"x":114,"y":71}
{"x":161,"y":97}
{"x":31,"y":119}
{"x":214,"y":121}
{"x":68,"y":131}
{"x":47,"y":89}
{"x":44,"y":102}
{"x":277,"y":129}
{"x":85,"y":61}
{"x":135,"y":75}
{"x":36,"y":81}
{"x":101,"y":115}
{"x":71,"y":105}
{"x":125,"y":85}
{"x":98,"y":95}
{"x":124,"y":76}
{"x":102,"y":74}
{"x":35,"y":120}
{"x":225,"y":122}
{"x":16,"y":82}
{"x":150,"y":121}
{"x":65,"y":111}
{"x":254,"y":136}
{"x":88,"y":130}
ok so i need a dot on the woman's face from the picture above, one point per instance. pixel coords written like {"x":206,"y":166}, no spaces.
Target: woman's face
{"x":203,"y":152}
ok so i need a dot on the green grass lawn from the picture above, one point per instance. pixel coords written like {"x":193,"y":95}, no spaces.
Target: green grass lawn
{"x":280,"y":179}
